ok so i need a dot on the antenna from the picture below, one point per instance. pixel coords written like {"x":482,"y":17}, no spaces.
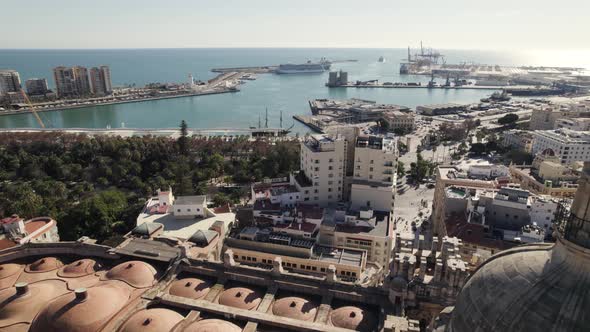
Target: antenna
{"x":266,"y":119}
{"x":281,"y":126}
{"x":258,"y":120}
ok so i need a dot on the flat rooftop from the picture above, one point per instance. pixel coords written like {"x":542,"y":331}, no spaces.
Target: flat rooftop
{"x":183,"y":228}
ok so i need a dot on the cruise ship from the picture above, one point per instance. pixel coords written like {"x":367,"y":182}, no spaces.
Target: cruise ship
{"x":309,"y":67}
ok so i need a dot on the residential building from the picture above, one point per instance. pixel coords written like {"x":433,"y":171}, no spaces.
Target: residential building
{"x":9,"y":81}
{"x":575,"y":124}
{"x":375,"y":161}
{"x":81,"y":80}
{"x":17,"y":231}
{"x":37,"y":86}
{"x":71,"y":81}
{"x":323,"y":165}
{"x":546,"y":118}
{"x":546,"y":176}
{"x":452,"y":176}
{"x":543,"y":210}
{"x":65,"y":83}
{"x":521,"y":140}
{"x":397,"y":120}
{"x":570,"y":146}
{"x":100,"y":81}
{"x":365,"y":229}
{"x":486,"y":302}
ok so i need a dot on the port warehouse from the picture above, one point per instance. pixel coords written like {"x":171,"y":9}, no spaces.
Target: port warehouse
{"x":441,"y":109}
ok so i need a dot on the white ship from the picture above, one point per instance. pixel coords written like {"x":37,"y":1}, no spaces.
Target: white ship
{"x":309,"y":67}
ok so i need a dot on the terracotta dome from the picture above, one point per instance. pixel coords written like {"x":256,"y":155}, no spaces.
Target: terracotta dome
{"x":295,"y":307}
{"x":44,"y":265}
{"x":136,"y":273}
{"x":82,"y":310}
{"x":149,"y":320}
{"x":241,"y":297}
{"x":8,"y":274}
{"x":191,"y":288}
{"x":79,"y":268}
{"x":212,"y":325}
{"x":20,"y":304}
{"x":353,"y":318}
{"x":7,"y":270}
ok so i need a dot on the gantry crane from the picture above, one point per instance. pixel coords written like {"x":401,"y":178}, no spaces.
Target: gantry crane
{"x":32,"y":108}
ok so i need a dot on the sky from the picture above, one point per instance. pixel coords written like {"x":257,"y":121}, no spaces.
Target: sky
{"x":445,"y":24}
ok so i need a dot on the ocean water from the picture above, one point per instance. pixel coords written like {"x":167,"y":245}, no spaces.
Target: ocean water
{"x":286,"y":93}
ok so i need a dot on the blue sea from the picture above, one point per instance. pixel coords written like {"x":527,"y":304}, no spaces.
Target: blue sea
{"x":286,"y":93}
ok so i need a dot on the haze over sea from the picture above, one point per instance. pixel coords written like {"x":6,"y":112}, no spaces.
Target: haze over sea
{"x":288,"y":93}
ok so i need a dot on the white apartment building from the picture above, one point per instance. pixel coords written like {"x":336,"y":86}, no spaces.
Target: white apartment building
{"x":323,"y":165}
{"x":568,"y":145}
{"x":375,"y":161}
{"x":576,"y":124}
{"x":543,"y":209}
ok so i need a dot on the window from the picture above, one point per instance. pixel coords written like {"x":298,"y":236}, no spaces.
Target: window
{"x":371,"y":162}
{"x":330,"y":168}
{"x":198,"y":210}
{"x":178,"y":210}
{"x":315,"y":191}
{"x":317,"y":169}
{"x":331,"y":160}
{"x":188,"y":210}
{"x":371,"y":169}
{"x":329,"y":189}
{"x":330,"y":175}
{"x":322,"y":269}
{"x":330,"y":182}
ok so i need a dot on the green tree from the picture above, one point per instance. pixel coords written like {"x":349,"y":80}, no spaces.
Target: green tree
{"x":183,"y":139}
{"x":509,"y":118}
{"x":400,"y":169}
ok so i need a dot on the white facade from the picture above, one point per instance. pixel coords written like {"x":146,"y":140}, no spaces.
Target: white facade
{"x":374,"y":176}
{"x":323,"y":160}
{"x":488,"y":171}
{"x":569,"y":145}
{"x":543,"y":211}
{"x":576,"y":124}
{"x":517,"y":139}
{"x":186,"y":207}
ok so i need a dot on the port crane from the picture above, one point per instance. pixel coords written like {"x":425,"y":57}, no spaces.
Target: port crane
{"x":33,"y":110}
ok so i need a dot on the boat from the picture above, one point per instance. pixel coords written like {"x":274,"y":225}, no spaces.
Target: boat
{"x":308,"y":67}
{"x":381,"y":59}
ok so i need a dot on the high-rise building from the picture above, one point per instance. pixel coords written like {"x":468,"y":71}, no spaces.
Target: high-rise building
{"x":71,"y":82}
{"x":64,"y":82}
{"x":81,"y":79}
{"x":100,"y":80}
{"x":9,"y":81}
{"x":36,"y":86}
{"x":323,"y":164}
{"x":375,"y":161}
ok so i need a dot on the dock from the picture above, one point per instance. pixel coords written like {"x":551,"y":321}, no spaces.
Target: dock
{"x":253,"y":70}
{"x":425,"y":86}
{"x":167,"y":132}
